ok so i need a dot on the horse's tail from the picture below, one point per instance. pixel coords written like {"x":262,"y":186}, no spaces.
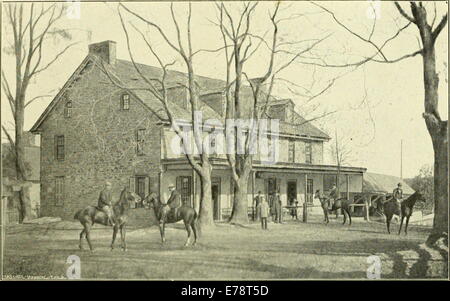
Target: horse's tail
{"x":197,"y":224}
{"x":77,"y":215}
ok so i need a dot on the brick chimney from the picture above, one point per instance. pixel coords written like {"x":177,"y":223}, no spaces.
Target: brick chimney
{"x":106,"y":50}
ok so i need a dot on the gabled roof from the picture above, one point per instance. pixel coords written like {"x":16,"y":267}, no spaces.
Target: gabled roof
{"x":379,"y":183}
{"x":125,"y":72}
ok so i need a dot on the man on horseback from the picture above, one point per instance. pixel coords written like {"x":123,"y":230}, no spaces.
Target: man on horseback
{"x":398,"y":194}
{"x":105,"y":203}
{"x":174,"y":203}
{"x":332,"y":197}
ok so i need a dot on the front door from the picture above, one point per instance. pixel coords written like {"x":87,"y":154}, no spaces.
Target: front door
{"x":291,"y":191}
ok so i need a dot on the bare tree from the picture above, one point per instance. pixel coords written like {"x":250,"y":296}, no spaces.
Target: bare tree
{"x":31,"y":27}
{"x":158,"y":88}
{"x":341,"y":153}
{"x":239,"y":47}
{"x":429,"y":30}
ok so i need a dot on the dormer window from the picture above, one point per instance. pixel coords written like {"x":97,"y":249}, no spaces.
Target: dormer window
{"x":125,"y":103}
{"x":68,"y":109}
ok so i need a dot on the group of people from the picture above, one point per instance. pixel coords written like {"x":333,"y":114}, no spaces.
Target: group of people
{"x":263,"y":209}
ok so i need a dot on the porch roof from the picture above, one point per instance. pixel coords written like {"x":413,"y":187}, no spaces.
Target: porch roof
{"x":222,"y":163}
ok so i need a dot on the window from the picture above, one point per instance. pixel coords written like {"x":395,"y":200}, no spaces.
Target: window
{"x":125,"y":102}
{"x":59,"y":147}
{"x":68,"y":109}
{"x":291,"y":151}
{"x":140,"y":141}
{"x":308,"y":152}
{"x":184,"y":185}
{"x":59,"y":191}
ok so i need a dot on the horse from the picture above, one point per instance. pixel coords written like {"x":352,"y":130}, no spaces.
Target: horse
{"x":391,"y":207}
{"x":341,"y":203}
{"x":91,"y":215}
{"x":185,"y":213}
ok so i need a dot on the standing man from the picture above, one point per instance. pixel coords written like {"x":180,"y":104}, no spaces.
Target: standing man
{"x":174,"y":203}
{"x":263,"y":208}
{"x":277,"y":204}
{"x":258,"y":199}
{"x":105,"y":202}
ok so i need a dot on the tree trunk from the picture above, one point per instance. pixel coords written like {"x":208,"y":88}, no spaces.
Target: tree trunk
{"x":205,"y":212}
{"x":440,"y":223}
{"x":438,"y":132}
{"x":21,"y":172}
{"x":239,"y":214}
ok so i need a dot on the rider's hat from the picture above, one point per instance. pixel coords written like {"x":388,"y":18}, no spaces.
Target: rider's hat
{"x":399,"y":184}
{"x":108,"y":183}
{"x":171,"y":186}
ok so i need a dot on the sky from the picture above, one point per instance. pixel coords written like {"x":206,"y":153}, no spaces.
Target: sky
{"x":376,"y":106}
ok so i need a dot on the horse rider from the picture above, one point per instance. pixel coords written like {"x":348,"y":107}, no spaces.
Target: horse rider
{"x":105,"y":202}
{"x":332,"y":197}
{"x":174,"y":202}
{"x":398,"y":194}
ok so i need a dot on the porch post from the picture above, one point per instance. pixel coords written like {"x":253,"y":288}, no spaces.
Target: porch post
{"x":160,"y":176}
{"x":194,"y":187}
{"x":253,"y":195}
{"x":348,"y":187}
{"x":305,"y":203}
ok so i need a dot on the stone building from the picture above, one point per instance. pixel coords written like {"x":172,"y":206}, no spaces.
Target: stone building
{"x":96,"y":130}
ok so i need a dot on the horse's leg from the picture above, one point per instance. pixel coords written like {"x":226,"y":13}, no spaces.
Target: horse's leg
{"x":122,"y":235}
{"x":194,"y":229}
{"x":162,"y":229}
{"x":347,"y":212}
{"x":388,"y":223}
{"x":188,"y":229}
{"x":344,"y":215}
{"x":406,"y":225}
{"x":401,"y":224}
{"x":88,"y":236}
{"x":115,"y":229}
{"x":161,"y":233}
{"x":81,"y":238}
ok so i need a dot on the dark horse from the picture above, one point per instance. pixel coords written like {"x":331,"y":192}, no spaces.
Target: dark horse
{"x":91,"y":215}
{"x":340,"y":203}
{"x":391,"y":207}
{"x":185,"y":213}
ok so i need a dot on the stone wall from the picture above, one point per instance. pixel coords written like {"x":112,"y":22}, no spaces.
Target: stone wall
{"x":100,"y":144}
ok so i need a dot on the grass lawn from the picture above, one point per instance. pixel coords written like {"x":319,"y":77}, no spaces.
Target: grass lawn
{"x":293,"y":250}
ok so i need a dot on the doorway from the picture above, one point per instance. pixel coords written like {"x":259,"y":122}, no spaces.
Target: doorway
{"x":291,"y":191}
{"x":215,"y":196}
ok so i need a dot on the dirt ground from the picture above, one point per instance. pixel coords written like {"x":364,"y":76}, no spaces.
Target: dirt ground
{"x":293,"y":250}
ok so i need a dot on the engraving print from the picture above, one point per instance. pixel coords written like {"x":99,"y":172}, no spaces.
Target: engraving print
{"x":224,"y":140}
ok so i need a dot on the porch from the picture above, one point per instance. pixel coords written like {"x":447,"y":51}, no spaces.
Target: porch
{"x":295,"y":182}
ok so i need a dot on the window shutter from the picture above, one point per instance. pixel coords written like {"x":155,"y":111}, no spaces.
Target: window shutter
{"x":147,"y":186}
{"x":179,"y":183}
{"x":132,"y":184}
{"x":153,"y":185}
